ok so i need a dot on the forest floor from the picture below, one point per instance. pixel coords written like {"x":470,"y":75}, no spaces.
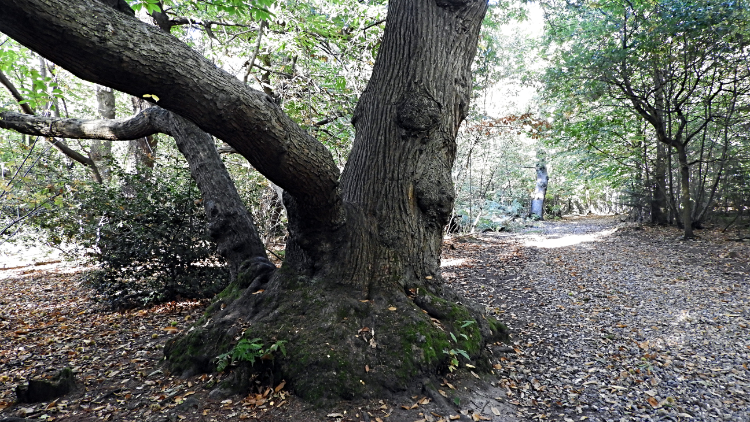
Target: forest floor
{"x":610,"y":322}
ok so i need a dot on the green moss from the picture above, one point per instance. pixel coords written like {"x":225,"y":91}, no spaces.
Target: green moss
{"x":181,"y":351}
{"x":228,"y":295}
{"x":500,"y":331}
{"x":231,"y":292}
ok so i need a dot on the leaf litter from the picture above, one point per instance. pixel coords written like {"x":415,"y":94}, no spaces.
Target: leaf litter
{"x":614,"y":321}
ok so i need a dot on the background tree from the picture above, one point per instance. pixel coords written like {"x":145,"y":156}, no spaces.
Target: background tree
{"x":677,"y":66}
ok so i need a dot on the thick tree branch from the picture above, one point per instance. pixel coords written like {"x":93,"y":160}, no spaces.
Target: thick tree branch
{"x":112,"y":49}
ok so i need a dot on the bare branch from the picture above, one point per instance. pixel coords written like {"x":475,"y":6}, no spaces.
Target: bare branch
{"x":141,"y":125}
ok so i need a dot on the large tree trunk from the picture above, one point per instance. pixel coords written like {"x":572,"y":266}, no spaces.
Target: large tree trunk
{"x":356,"y":303}
{"x":359,"y":299}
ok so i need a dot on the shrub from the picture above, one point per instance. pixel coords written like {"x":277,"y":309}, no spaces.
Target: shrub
{"x":147,"y":236}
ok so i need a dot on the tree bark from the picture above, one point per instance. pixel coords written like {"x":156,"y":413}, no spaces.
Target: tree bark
{"x":687,"y":204}
{"x":142,"y":151}
{"x":659,"y":185}
{"x":659,"y":194}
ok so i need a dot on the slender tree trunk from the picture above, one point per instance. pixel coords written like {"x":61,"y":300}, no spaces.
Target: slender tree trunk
{"x":230,"y":224}
{"x":687,"y":208}
{"x":100,"y":151}
{"x":142,"y":151}
{"x":659,"y":203}
{"x":659,"y":192}
{"x":542,"y":179}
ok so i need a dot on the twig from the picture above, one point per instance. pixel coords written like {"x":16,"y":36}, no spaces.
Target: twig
{"x":274,"y":254}
{"x":255,"y":52}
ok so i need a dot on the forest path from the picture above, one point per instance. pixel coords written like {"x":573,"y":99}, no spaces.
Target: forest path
{"x":615,"y":321}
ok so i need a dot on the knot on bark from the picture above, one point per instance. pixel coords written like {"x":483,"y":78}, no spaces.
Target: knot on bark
{"x":418,"y":111}
{"x":452,"y":4}
{"x":434,"y":192}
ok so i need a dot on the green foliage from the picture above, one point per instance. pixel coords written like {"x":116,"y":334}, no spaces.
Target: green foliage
{"x":147,"y":236}
{"x":150,"y":239}
{"x":249,"y":351}
{"x":625,"y":75}
{"x":255,"y":9}
{"x":454,"y":353}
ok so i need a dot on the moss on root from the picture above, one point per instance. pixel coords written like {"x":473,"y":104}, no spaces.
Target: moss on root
{"x":338,"y":345}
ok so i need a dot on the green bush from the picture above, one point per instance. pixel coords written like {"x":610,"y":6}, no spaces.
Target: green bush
{"x":146,"y":236}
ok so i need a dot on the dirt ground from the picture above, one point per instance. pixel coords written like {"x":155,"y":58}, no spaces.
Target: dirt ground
{"x":49,"y":320}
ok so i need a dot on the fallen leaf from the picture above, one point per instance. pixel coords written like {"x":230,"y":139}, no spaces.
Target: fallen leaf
{"x":495,"y":411}
{"x":653,"y":402}
{"x":392,"y":308}
{"x":335,"y":415}
{"x":280,"y":386}
{"x":259,"y":292}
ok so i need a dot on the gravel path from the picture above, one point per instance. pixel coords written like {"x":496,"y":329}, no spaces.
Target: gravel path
{"x":613,"y":322}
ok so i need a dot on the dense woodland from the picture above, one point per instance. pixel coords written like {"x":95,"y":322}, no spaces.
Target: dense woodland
{"x":303,"y":159}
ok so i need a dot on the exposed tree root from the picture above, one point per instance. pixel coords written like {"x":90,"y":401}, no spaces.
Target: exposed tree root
{"x":338,"y":345}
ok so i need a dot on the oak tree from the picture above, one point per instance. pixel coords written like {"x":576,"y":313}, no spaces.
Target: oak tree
{"x":359,"y":300}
